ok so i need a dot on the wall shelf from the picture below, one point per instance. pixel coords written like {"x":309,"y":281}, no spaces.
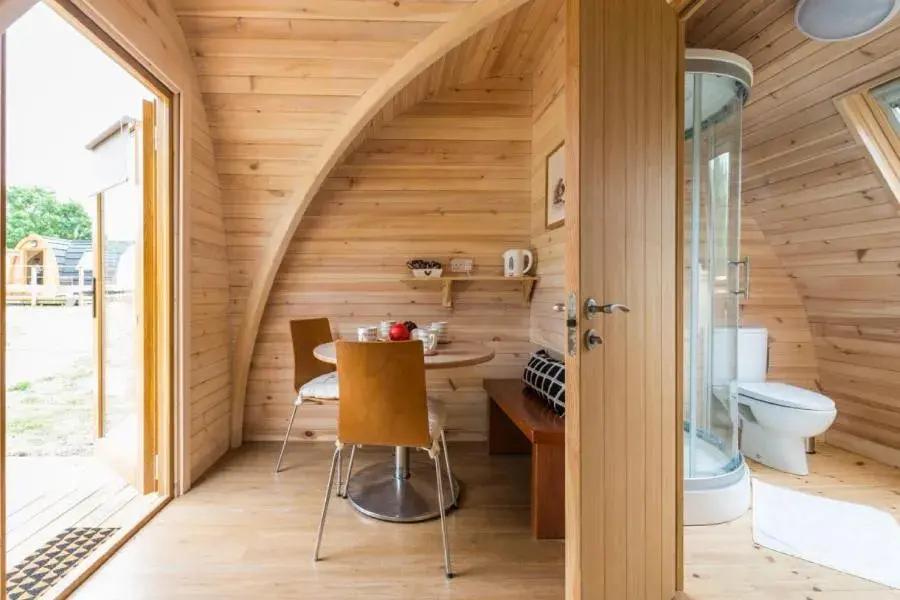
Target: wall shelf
{"x":447,"y":283}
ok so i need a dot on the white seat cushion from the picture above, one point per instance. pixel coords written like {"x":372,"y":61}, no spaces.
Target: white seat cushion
{"x":323,"y":387}
{"x":437,"y":416}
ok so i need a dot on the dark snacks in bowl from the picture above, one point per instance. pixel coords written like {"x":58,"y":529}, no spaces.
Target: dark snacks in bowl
{"x":418,"y":263}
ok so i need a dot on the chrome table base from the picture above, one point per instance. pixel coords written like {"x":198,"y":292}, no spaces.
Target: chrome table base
{"x":404,"y":491}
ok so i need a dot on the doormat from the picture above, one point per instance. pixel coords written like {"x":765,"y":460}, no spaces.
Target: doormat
{"x":53,"y":561}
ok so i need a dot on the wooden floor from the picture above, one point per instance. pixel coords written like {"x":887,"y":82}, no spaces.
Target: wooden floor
{"x":722,"y":561}
{"x":45,"y":495}
{"x":244,"y":532}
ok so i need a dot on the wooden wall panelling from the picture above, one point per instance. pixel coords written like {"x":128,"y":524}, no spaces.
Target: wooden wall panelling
{"x":775,"y":304}
{"x":549,"y":131}
{"x":259,"y":244}
{"x":446,"y":178}
{"x":816,"y":196}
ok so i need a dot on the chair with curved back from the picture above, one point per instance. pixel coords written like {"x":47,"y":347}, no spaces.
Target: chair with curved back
{"x":316,"y":382}
{"x":384,"y":403}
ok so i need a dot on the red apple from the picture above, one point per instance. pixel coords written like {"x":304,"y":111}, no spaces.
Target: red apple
{"x":399,"y":333}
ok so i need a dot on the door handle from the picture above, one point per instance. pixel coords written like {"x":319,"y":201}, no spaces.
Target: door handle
{"x":94,"y":297}
{"x":592,"y":307}
{"x":559,"y":307}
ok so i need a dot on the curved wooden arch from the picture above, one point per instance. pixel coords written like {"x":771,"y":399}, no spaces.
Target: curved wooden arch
{"x":431,"y":49}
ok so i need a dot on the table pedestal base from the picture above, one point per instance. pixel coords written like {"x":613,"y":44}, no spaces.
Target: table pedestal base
{"x":380,"y":491}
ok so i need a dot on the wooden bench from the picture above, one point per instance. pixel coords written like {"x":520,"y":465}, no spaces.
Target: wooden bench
{"x":520,"y":423}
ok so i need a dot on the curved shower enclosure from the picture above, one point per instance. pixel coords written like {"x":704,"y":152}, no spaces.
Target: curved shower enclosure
{"x":717,"y":481}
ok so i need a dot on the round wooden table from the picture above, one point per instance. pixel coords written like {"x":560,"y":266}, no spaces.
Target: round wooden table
{"x":405,"y":491}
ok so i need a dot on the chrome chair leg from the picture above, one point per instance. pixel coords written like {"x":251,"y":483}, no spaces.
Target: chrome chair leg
{"x":334,"y":461}
{"x":349,"y":469}
{"x":440,"y":491}
{"x":340,"y":468}
{"x":453,"y":491}
{"x":287,"y":436}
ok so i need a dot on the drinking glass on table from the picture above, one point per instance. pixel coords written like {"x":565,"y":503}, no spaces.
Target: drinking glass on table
{"x":384,"y":329}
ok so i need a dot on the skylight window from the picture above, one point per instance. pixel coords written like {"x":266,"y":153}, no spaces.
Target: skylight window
{"x":888,"y":97}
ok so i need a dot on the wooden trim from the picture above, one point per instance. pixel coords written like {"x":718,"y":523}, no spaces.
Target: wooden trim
{"x":107,"y":44}
{"x":572,"y":255}
{"x":446,"y":37}
{"x":97,"y":302}
{"x":868,"y":123}
{"x":151,"y":307}
{"x":679,"y":327}
{"x":685,"y":8}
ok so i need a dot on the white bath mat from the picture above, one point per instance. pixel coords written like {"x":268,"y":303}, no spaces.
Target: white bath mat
{"x":852,"y":538}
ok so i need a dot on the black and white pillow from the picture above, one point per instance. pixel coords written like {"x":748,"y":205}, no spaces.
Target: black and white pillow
{"x":547,"y":377}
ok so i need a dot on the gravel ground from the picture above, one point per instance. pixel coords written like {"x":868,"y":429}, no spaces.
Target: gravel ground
{"x":51,"y":377}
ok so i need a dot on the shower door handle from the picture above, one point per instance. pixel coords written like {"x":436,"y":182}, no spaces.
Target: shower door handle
{"x":744,"y":265}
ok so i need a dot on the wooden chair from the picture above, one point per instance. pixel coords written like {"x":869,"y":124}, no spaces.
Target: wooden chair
{"x":384,"y":403}
{"x":316,"y":382}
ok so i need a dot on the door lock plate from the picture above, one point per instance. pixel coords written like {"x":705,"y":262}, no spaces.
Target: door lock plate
{"x":592,"y":339}
{"x":572,"y":326}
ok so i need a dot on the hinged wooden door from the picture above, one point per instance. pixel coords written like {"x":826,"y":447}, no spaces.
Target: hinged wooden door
{"x":624,"y":93}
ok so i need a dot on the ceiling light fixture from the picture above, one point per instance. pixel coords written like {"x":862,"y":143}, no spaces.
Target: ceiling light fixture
{"x":837,"y":20}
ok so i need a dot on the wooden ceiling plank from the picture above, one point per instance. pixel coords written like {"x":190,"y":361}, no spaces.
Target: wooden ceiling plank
{"x":280,"y":103}
{"x":309,"y":49}
{"x":833,"y":158}
{"x":500,"y":33}
{"x":766,"y":131}
{"x":292,"y":67}
{"x":771,"y":23}
{"x":828,"y":58}
{"x":726,"y":32}
{"x":700,"y":27}
{"x":880,"y":57}
{"x":828,"y":174}
{"x":526,"y":19}
{"x":408,"y":10}
{"x":304,"y":29}
{"x":542,"y":41}
{"x":284,"y":86}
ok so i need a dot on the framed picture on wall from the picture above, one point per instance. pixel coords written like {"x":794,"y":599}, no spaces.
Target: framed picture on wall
{"x":556,"y":188}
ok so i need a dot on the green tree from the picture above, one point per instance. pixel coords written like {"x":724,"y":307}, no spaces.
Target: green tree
{"x":36,"y":210}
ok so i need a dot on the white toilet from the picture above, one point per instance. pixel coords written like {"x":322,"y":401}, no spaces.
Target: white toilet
{"x":776,"y":418}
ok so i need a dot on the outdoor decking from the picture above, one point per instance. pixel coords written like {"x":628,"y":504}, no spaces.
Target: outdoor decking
{"x":45,"y":495}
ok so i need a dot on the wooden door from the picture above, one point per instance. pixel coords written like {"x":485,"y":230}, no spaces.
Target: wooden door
{"x":624,"y":96}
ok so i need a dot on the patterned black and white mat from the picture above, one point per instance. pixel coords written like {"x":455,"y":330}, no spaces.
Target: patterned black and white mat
{"x":53,"y":561}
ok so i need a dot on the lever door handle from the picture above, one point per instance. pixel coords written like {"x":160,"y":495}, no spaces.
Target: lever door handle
{"x":559,"y":307}
{"x":592,"y":307}
{"x":611,"y":308}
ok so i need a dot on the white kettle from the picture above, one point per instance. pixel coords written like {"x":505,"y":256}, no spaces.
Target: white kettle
{"x":517,"y":262}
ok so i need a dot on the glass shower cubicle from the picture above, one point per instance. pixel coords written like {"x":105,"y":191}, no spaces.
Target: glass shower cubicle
{"x":716,"y":279}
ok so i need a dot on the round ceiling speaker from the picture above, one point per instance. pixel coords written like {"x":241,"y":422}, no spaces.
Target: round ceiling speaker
{"x":836,"y":20}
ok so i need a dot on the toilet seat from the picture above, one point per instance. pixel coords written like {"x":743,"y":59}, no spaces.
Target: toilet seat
{"x":782,"y":394}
